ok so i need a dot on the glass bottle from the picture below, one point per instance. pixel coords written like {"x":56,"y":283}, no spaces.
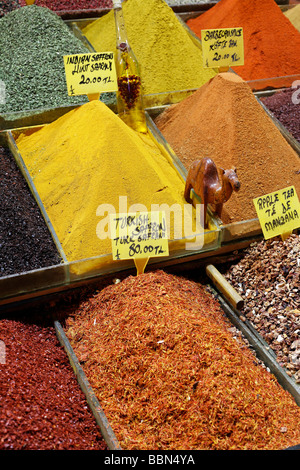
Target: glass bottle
{"x":129,"y":94}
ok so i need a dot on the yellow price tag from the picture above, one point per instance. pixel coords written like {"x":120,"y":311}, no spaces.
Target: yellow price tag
{"x":139,"y":235}
{"x":88,"y":74}
{"x":278,"y":212}
{"x":222,"y":47}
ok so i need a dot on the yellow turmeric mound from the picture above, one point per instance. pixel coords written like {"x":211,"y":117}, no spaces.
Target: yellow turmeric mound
{"x":169,"y":58}
{"x":86,"y":160}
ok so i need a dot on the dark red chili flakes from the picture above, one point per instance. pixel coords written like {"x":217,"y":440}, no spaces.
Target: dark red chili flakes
{"x":42,"y":405}
{"x":65,"y":5}
{"x":7,"y":6}
{"x":286,"y":108}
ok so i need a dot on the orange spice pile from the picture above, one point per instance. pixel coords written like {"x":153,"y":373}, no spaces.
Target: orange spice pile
{"x":169,"y":374}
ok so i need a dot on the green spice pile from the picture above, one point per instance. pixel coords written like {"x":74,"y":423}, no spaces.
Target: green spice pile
{"x":33,"y":41}
{"x":169,"y":374}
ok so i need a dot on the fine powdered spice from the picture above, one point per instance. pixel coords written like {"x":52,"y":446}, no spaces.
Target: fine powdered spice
{"x":270,"y":40}
{"x":285,"y":106}
{"x":66,"y":5}
{"x":168,"y":58}
{"x":32,"y":69}
{"x":268,"y":278}
{"x":169,"y":374}
{"x":223,"y":120}
{"x":25,"y":241}
{"x":42,"y":406}
{"x":294,"y":16}
{"x":88,"y":158}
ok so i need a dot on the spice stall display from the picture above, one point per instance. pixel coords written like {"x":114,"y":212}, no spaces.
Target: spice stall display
{"x":88,"y":158}
{"x":42,"y":406}
{"x":285,"y":106}
{"x":25,"y":241}
{"x":224,"y":121}
{"x":293,"y":14}
{"x":270,"y":40}
{"x":168,"y":57}
{"x":169,"y":374}
{"x":268,"y":278}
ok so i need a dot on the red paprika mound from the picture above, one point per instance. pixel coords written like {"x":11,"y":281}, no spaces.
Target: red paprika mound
{"x":271,"y":42}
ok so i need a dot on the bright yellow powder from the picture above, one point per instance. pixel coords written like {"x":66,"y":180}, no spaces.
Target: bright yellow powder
{"x":90,"y":157}
{"x":169,"y":60}
{"x":293,"y":15}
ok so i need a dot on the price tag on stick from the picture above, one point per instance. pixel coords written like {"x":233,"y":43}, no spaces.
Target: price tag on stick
{"x":278,"y":212}
{"x":139,"y":236}
{"x":222,"y":48}
{"x":90,"y":74}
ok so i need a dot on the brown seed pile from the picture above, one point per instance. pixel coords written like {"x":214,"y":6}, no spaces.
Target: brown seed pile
{"x":268,"y":278}
{"x":42,"y":405}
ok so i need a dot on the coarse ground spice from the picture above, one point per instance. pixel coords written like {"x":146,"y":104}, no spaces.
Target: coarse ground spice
{"x":285,"y":105}
{"x":168,"y":58}
{"x":42,"y":405}
{"x":268,"y":278}
{"x":169,"y":374}
{"x":7,"y":6}
{"x":25,"y":241}
{"x":65,"y":5}
{"x":223,"y":120}
{"x":33,"y":69}
{"x":270,"y":40}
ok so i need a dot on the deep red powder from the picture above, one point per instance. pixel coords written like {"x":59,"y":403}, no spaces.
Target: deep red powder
{"x":65,"y":5}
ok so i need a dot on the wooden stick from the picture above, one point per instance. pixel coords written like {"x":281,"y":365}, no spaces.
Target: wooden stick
{"x":223,"y":285}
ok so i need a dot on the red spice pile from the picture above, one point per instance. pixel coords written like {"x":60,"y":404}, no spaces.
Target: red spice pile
{"x":271,"y":42}
{"x":41,"y":404}
{"x":169,"y":374}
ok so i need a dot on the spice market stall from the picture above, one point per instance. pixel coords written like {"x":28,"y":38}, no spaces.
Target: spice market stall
{"x":163,"y":358}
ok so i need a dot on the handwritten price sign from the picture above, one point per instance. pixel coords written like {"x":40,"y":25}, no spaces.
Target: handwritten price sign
{"x":278,"y":212}
{"x":222,"y":47}
{"x":139,"y":235}
{"x":90,"y":73}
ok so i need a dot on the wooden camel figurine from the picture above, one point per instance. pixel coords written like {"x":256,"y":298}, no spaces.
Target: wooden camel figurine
{"x":203,"y":178}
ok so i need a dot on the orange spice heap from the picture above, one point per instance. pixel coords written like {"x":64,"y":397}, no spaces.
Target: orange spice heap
{"x":224,"y":121}
{"x":271,"y":42}
{"x":169,"y":374}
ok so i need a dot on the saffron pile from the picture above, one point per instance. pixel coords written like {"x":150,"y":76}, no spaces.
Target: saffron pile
{"x":81,"y":165}
{"x":270,"y":39}
{"x":169,"y":374}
